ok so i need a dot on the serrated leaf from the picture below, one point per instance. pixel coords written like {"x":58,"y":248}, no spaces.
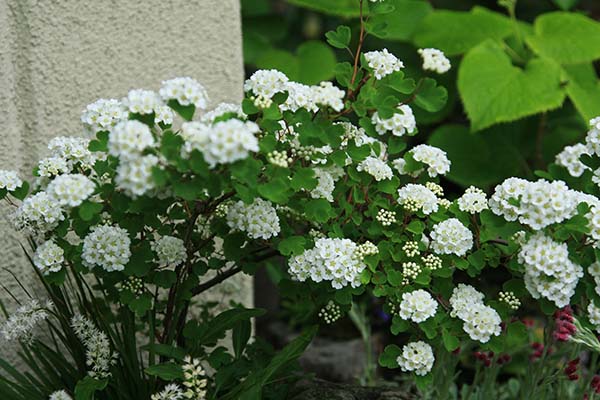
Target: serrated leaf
{"x":292,"y":245}
{"x":583,"y":88}
{"x":430,"y":96}
{"x":389,"y":356}
{"x":340,"y":38}
{"x":400,"y":23}
{"x":493,"y":90}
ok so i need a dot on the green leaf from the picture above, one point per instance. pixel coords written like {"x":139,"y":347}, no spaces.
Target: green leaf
{"x":276,"y":191}
{"x":340,"y":38}
{"x":86,"y":387}
{"x":240,"y":336}
{"x":510,"y":92}
{"x":451,"y":342}
{"x":21,"y":192}
{"x":88,"y":209}
{"x":583,"y":88}
{"x":304,"y":178}
{"x":318,"y":210}
{"x":430,"y":96}
{"x":292,"y":245}
{"x":455,"y":32}
{"x":342,"y":8}
{"x":402,"y":22}
{"x":316,"y":61}
{"x":566,"y":4}
{"x":210,"y":333}
{"x":141,"y":305}
{"x":281,"y":60}
{"x":186,"y":112}
{"x":567,"y":38}
{"x":388,"y":358}
{"x":166,"y":371}
{"x":166,"y":350}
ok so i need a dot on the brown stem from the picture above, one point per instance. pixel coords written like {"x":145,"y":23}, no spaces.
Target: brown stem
{"x":361,"y":38}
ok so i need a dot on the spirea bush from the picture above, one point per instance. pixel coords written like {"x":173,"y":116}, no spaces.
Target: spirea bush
{"x":163,"y":199}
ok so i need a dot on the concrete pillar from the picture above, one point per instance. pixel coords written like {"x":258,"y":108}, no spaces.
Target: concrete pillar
{"x":57,"y":56}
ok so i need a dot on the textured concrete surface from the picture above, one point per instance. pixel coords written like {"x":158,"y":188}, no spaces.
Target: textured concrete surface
{"x":58,"y":56}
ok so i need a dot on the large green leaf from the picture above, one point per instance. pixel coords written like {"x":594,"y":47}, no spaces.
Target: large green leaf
{"x":583,"y":89}
{"x":568,"y":38}
{"x":403,"y":21}
{"x":455,"y":32}
{"x":493,"y":90}
{"x":344,"y":8}
{"x":85,"y":388}
{"x":209,"y":333}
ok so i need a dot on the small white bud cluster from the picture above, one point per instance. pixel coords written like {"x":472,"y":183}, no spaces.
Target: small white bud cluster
{"x":410,"y":270}
{"x":432,"y":262}
{"x":473,"y":200}
{"x":259,"y":220}
{"x":451,"y":237}
{"x":49,"y":257}
{"x":435,"y":188}
{"x":330,"y":313}
{"x":411,"y":248}
{"x":383,"y":63}
{"x":417,"y":306}
{"x":194,"y":379}
{"x":414,"y":197}
{"x":20,"y":324}
{"x":221,"y":209}
{"x":416,"y":357}
{"x":434,"y":60}
{"x":376,"y":167}
{"x":103,"y":115}
{"x":279,"y":158}
{"x":569,"y":158}
{"x":186,"y":91}
{"x":510,"y":299}
{"x":480,"y":322}
{"x":134,"y":284}
{"x":315,"y":234}
{"x":106,"y":246}
{"x":170,"y":251}
{"x":366,"y":249}
{"x":549,"y":272}
{"x":401,"y":123}
{"x":9,"y":180}
{"x":436,"y":159}
{"x":386,"y":217}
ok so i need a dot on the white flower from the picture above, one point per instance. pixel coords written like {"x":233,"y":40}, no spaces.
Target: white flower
{"x":164,"y":114}
{"x":49,"y":257}
{"x":325,"y":185}
{"x":170,"y":392}
{"x":129,"y":139}
{"x":186,"y":91}
{"x":53,"y":166}
{"x":451,"y":237}
{"x":60,"y":395}
{"x":463,"y":297}
{"x":103,"y":114}
{"x":417,"y":306}
{"x":74,"y":150}
{"x":195,"y":381}
{"x":434,"y":60}
{"x":594,"y":315}
{"x":592,"y":140}
{"x":170,"y":251}
{"x":71,"y":190}
{"x":141,"y":101}
{"x":328,"y":95}
{"x":569,"y":158}
{"x":39,"y":212}
{"x":220,"y":110}
{"x":416,"y":357}
{"x":383,"y":63}
{"x":415,"y":197}
{"x":9,"y":180}
{"x":481,"y":322}
{"x":400,"y":166}
{"x":106,"y":246}
{"x":134,"y":175}
{"x":399,"y":124}
{"x":99,"y":356}
{"x":20,"y":325}
{"x":222,"y":143}
{"x":299,"y":96}
{"x":473,"y":200}
{"x":376,"y":167}
{"x":264,"y":84}
{"x":549,"y":272}
{"x":259,"y":220}
{"x":335,"y":260}
{"x":436,"y":159}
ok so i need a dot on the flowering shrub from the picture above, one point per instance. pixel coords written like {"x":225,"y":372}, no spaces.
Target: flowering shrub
{"x":158,"y":204}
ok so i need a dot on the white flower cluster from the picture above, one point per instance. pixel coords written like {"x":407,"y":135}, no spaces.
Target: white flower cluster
{"x":592,"y":139}
{"x":386,"y":217}
{"x":129,"y":139}
{"x":510,"y":299}
{"x":594,"y":271}
{"x":140,"y":101}
{"x":480,"y":322}
{"x":171,"y":391}
{"x":548,"y":271}
{"x":417,"y":306}
{"x":399,"y":124}
{"x":60,"y":395}
{"x":436,"y":159}
{"x":20,"y":325}
{"x":134,"y":176}
{"x":414,"y":197}
{"x":71,"y":190}
{"x":99,"y":356}
{"x":569,"y":158}
{"x":539,"y":203}
{"x":74,"y":150}
{"x":52,"y":166}
{"x":186,"y":91}
{"x":473,"y":201}
{"x":103,"y":115}
{"x":434,"y":60}
{"x":170,"y":251}
{"x":39,"y":213}
{"x":451,"y":237}
{"x":332,"y":260}
{"x":330,"y":313}
{"x":259,"y":220}
{"x":264,"y":84}
{"x":164,"y":114}
{"x":594,"y":315}
{"x":9,"y":180}
{"x":222,"y":143}
{"x":106,"y":246}
{"x":383,"y":63}
{"x":376,"y":167}
{"x":48,"y":257}
{"x":328,"y":95}
{"x":416,"y":357}
{"x":222,"y":109}
{"x":194,"y":379}
{"x":325,"y":185}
